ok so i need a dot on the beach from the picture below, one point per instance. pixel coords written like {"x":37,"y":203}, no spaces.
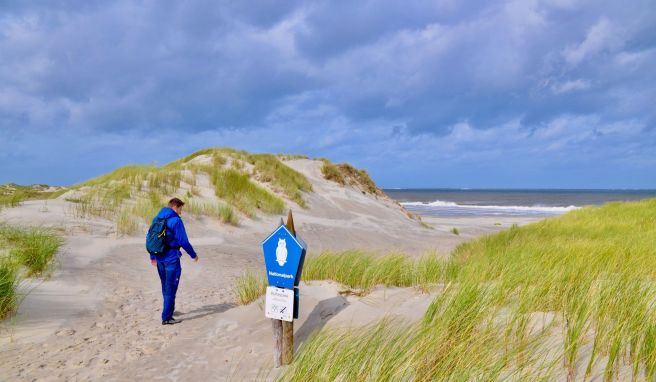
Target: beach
{"x":97,"y":315}
{"x":396,"y":191}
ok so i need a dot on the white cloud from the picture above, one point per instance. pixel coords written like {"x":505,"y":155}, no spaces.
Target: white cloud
{"x":569,"y":86}
{"x":602,"y":35}
{"x":458,"y":78}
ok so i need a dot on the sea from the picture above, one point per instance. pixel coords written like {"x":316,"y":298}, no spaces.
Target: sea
{"x":515,"y":202}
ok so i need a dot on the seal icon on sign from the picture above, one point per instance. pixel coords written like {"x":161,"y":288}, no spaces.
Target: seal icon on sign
{"x":281,"y":252}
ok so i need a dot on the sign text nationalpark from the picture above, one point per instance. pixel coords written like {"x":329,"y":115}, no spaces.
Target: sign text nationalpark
{"x":284,"y":255}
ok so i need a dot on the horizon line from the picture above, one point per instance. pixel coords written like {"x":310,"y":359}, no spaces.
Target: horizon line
{"x":510,"y":189}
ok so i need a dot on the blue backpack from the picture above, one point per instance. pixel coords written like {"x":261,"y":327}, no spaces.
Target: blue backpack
{"x":156,"y":243}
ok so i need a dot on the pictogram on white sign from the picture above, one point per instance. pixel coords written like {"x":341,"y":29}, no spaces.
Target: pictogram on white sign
{"x":279,"y":304}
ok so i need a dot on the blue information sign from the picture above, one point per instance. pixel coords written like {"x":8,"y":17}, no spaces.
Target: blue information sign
{"x":283,"y":256}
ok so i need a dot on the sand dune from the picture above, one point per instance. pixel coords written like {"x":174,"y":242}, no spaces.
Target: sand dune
{"x":97,"y":316}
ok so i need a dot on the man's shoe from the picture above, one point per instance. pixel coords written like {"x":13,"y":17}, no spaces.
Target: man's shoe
{"x":170,"y":321}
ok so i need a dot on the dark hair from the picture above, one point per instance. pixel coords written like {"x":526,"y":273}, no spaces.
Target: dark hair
{"x":175,"y":202}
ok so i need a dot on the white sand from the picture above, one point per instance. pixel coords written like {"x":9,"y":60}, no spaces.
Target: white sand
{"x":97,"y":316}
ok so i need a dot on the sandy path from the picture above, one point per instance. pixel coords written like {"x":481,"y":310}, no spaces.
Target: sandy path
{"x":122,"y":339}
{"x":125,"y":325}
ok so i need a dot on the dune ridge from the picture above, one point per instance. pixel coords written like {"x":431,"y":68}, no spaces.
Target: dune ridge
{"x":96,"y":317}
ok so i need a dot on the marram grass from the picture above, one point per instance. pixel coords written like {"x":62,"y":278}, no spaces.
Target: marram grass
{"x":13,"y":195}
{"x":8,"y":284}
{"x":12,"y":200}
{"x":362,"y":271}
{"x":33,"y":248}
{"x":270,"y":169}
{"x":236,"y":188}
{"x":23,"y":252}
{"x":344,"y":173}
{"x":518,"y":305}
{"x":131,"y":195}
{"x":217,"y":210}
{"x":358,"y":270}
{"x":249,"y":287}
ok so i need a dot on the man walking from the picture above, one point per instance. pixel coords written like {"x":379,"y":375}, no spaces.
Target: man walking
{"x":168,"y":263}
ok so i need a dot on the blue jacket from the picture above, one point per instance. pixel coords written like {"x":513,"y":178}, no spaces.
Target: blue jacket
{"x":176,"y":236}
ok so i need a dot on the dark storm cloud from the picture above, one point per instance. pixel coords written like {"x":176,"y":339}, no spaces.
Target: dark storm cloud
{"x":381,"y":83}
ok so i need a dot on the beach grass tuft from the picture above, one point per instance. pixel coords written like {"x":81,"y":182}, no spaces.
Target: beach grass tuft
{"x":31,"y":247}
{"x":249,"y":287}
{"x":292,"y":156}
{"x":517,"y":305}
{"x":236,"y":188}
{"x":426,"y":225}
{"x":361,"y":271}
{"x":126,"y":223}
{"x":13,"y":195}
{"x":271,"y":170}
{"x":131,"y":195}
{"x":8,"y":284}
{"x":12,"y":200}
{"x":221,"y":211}
{"x":24,"y":251}
{"x":344,"y":173}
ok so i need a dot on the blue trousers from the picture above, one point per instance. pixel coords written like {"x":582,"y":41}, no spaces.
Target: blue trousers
{"x":169,"y":274}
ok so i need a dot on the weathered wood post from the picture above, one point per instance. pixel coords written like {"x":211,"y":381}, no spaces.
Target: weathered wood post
{"x":277,"y":342}
{"x":284,"y":255}
{"x":277,"y":336}
{"x":288,"y":326}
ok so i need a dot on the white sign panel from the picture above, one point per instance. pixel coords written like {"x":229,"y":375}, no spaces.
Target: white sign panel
{"x":279,"y":304}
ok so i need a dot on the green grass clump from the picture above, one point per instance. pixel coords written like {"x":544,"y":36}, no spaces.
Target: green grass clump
{"x":270,"y":169}
{"x":518,"y":305}
{"x":344,"y":173}
{"x":218,"y":154}
{"x":455,"y":231}
{"x":331,"y":172}
{"x":426,"y":225}
{"x":13,"y":195}
{"x":127,"y":191}
{"x":33,"y":248}
{"x":126,"y":223}
{"x":132,"y":195}
{"x":249,"y":287}
{"x":28,"y":248}
{"x":236,"y":188}
{"x":220,"y":211}
{"x":132,"y":174}
{"x":292,"y":156}
{"x":361,"y":271}
{"x":373,"y":353}
{"x":8,"y":284}
{"x":148,"y":205}
{"x":115,"y":194}
{"x":164,"y":181}
{"x":12,"y":200}
{"x":94,"y":203}
{"x":456,"y":343}
{"x":218,"y":160}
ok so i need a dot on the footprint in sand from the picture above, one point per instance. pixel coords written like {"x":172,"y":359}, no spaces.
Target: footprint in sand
{"x":65,"y":332}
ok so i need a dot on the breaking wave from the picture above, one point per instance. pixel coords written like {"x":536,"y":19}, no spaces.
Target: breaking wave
{"x":444,"y":208}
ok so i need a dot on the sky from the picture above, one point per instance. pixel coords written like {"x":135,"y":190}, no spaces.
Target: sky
{"x":441,"y":93}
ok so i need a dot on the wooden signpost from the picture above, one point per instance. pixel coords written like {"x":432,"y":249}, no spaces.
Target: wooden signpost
{"x":284,"y":254}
